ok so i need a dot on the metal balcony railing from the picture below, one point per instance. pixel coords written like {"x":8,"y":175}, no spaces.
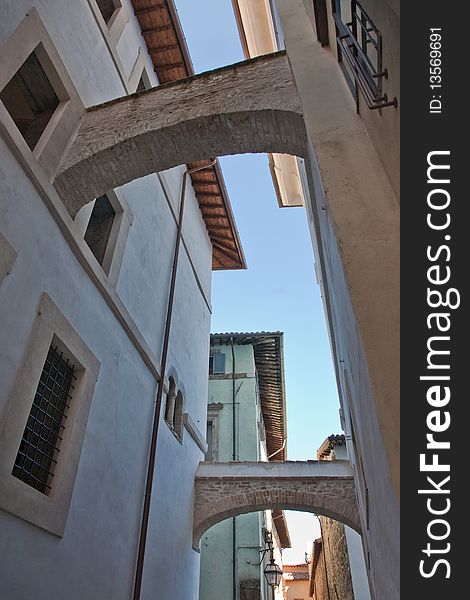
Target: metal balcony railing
{"x":360,"y":54}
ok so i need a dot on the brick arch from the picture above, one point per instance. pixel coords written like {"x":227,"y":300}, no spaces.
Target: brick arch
{"x":223,"y":491}
{"x":251,"y":106}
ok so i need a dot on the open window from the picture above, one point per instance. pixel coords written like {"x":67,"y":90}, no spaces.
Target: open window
{"x":33,"y":95}
{"x":108,"y":9}
{"x":39,"y":105}
{"x":103,"y":225}
{"x":144,"y":82}
{"x":99,"y":230}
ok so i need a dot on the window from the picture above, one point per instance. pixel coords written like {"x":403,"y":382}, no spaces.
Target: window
{"x":99,"y":227}
{"x":359,"y":46}
{"x":40,"y":444}
{"x":39,"y":105}
{"x":178,"y":416}
{"x":170,"y":403}
{"x":209,"y":440}
{"x":30,"y":99}
{"x":217,"y":363}
{"x":213,"y":413}
{"x":107,"y":9}
{"x":144,"y":82}
{"x":104,"y":225}
{"x":174,"y":410}
{"x":43,"y":430}
{"x":141,"y":85}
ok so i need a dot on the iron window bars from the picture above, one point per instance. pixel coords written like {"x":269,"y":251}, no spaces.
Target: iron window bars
{"x":355,"y":40}
{"x":39,"y":447}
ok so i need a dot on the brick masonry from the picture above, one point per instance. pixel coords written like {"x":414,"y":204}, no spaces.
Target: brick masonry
{"x":251,"y":106}
{"x":218,"y":498}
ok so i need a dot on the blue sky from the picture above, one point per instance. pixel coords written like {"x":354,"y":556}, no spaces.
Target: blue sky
{"x":278,"y":291}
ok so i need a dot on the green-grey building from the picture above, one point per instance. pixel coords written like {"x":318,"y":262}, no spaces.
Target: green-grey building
{"x":246,"y":421}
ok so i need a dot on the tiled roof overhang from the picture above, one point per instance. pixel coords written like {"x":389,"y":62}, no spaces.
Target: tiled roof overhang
{"x":269,"y":359}
{"x":328,"y":445}
{"x":280,"y":524}
{"x":167,"y":47}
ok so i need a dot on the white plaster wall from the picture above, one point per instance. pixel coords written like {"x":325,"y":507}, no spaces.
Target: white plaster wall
{"x":357,"y":565}
{"x":96,"y":556}
{"x":354,"y":224}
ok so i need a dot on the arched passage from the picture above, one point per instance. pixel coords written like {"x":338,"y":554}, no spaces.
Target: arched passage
{"x":224,"y":490}
{"x":251,"y":106}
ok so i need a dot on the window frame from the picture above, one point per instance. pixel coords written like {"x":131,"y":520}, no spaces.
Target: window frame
{"x":31,"y":35}
{"x":213,"y":414}
{"x":116,"y":24}
{"x":213,"y":355}
{"x":50,"y":511}
{"x":117,"y":240}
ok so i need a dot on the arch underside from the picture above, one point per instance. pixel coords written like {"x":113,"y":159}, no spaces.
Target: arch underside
{"x":190,"y":141}
{"x":335,"y":499}
{"x":249,"y":107}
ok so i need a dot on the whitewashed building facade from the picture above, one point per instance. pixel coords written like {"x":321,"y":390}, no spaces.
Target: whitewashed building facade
{"x":83,"y":307}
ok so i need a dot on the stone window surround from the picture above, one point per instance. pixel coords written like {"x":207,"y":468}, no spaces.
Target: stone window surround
{"x":111,"y":33}
{"x":116,"y":23}
{"x":213,"y":414}
{"x":185,"y":420}
{"x":31,"y":35}
{"x":32,"y":26}
{"x":122,"y":222}
{"x":50,"y":511}
{"x":175,"y":396}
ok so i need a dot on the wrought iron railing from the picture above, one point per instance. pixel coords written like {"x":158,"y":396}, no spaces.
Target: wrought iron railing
{"x":356,"y":42}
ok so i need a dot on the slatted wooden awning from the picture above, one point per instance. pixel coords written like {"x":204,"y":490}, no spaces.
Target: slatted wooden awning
{"x":268,"y":350}
{"x":167,"y":47}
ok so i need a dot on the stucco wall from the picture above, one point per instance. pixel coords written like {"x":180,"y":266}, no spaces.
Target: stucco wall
{"x":353,"y":217}
{"x":96,"y":556}
{"x":384,"y":125}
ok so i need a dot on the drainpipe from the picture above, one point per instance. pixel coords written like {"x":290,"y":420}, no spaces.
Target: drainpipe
{"x":234,"y":458}
{"x":280,"y":449}
{"x":158,"y":400}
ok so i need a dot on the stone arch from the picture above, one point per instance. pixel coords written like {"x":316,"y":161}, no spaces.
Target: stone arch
{"x":228,"y":490}
{"x":251,"y":106}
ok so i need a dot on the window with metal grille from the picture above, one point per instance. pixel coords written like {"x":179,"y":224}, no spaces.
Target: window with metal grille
{"x":40,"y":444}
{"x":359,"y":45}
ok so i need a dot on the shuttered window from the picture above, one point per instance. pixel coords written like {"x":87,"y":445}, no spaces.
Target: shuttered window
{"x":217,"y":363}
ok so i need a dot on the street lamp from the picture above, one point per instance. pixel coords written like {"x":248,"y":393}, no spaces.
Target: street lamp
{"x":273,"y":573}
